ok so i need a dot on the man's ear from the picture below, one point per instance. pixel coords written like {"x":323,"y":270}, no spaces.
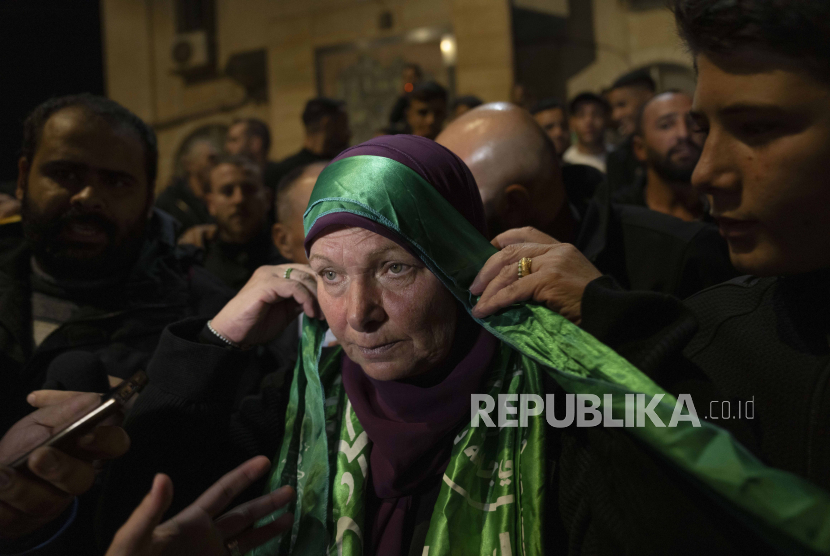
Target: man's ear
{"x":282,"y":240}
{"x":638,"y":147}
{"x":516,"y":207}
{"x":23,"y":168}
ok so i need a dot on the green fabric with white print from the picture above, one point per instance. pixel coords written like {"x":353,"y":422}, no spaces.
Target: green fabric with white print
{"x":492,"y":497}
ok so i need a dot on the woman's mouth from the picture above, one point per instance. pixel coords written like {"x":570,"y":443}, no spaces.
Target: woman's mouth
{"x":376,"y":351}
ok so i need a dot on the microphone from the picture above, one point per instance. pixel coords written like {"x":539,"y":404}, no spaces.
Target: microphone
{"x":79,"y":371}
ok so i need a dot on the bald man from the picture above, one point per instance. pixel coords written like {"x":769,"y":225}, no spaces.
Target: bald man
{"x":293,"y":193}
{"x":669,"y":145}
{"x":521,"y":184}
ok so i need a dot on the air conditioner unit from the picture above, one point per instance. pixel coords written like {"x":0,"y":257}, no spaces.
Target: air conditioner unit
{"x":190,"y":50}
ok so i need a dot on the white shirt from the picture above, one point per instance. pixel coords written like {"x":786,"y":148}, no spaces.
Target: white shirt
{"x":573,"y":156}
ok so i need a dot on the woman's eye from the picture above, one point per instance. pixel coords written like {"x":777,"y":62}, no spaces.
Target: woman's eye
{"x":396,"y":268}
{"x":330,"y":275}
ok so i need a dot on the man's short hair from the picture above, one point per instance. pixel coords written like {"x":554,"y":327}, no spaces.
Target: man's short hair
{"x":287,"y":183}
{"x":255,"y":127}
{"x":638,"y":79}
{"x":795,"y":28}
{"x":112,"y":112}
{"x":470,"y":101}
{"x":638,"y":121}
{"x":587,"y":98}
{"x":243,"y":163}
{"x":427,"y":91}
{"x":547,"y":104}
{"x":318,"y":108}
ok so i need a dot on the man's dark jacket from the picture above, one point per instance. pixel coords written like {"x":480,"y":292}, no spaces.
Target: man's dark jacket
{"x":235,"y":263}
{"x":303,"y":157}
{"x":647,"y":250}
{"x":120,"y":324}
{"x":179,"y":202}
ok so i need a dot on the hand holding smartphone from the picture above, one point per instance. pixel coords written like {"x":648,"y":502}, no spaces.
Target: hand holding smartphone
{"x":112,"y":402}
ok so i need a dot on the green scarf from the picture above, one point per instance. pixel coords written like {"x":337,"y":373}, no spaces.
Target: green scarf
{"x":492,"y":498}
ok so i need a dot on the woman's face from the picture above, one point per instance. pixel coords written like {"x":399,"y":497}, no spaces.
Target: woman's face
{"x":390,"y":313}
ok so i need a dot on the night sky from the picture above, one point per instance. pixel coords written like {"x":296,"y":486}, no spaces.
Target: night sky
{"x":47,"y":48}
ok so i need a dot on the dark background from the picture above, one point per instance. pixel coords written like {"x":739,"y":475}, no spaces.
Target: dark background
{"x":47,"y":48}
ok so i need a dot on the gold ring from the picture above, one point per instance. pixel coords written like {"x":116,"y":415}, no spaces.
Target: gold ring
{"x":524,"y":267}
{"x":287,"y":272}
{"x":233,"y":548}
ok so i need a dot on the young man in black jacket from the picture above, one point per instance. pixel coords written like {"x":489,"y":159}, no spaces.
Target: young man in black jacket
{"x":763,"y":98}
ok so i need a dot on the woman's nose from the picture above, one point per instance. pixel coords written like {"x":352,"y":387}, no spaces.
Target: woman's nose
{"x":365,"y":312}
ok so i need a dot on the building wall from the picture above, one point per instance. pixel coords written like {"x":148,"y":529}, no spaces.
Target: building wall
{"x":626,"y":39}
{"x":138,"y":35}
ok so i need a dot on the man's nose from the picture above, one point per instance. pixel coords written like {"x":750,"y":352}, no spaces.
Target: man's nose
{"x":91,"y":195}
{"x":365,"y":311}
{"x":715,"y":172}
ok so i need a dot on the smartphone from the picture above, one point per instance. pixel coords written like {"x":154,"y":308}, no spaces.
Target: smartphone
{"x":110,"y":404}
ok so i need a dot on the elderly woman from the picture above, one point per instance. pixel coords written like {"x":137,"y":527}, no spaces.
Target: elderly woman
{"x":376,"y":435}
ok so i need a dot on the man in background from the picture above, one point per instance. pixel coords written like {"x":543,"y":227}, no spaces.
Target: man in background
{"x":669,"y":144}
{"x":627,"y":95}
{"x":551,"y":115}
{"x":238,"y":201}
{"x":427,"y":109}
{"x":92,"y":267}
{"x":522,"y":184}
{"x":251,"y":137}
{"x":464,"y":104}
{"x":326,"y":134}
{"x":411,"y":75}
{"x":293,"y":194}
{"x":589,"y":121}
{"x":184,"y":198}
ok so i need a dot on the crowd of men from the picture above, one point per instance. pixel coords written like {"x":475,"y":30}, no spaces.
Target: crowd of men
{"x":661,"y":195}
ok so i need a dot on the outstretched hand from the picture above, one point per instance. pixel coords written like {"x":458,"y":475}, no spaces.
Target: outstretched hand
{"x":196,"y":530}
{"x":30,"y":499}
{"x":265,"y":306}
{"x":558,"y":275}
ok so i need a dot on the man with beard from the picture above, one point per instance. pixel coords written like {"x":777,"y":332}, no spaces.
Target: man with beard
{"x":92,"y":266}
{"x":239,"y":202}
{"x":184,"y":198}
{"x":669,"y":145}
{"x":521,"y":183}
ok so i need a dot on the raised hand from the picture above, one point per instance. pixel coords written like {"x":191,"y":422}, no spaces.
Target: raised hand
{"x":557,"y":279}
{"x":268,"y":303}
{"x":196,"y":530}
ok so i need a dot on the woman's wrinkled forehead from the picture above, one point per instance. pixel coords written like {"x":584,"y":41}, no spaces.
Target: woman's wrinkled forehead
{"x":341,"y":220}
{"x":353,"y":245}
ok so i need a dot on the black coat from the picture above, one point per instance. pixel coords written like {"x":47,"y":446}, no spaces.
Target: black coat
{"x":120,"y":324}
{"x":178,"y":201}
{"x":647,"y":250}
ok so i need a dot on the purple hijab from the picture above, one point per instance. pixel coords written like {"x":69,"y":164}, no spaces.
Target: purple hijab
{"x":412,"y":426}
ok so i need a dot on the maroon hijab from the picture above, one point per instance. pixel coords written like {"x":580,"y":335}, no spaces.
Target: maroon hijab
{"x":412,"y":424}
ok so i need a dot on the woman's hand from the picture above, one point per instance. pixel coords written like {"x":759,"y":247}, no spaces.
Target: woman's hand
{"x":528,"y":234}
{"x":557,"y":279}
{"x":30,"y":500}
{"x":268,"y":303}
{"x":195,"y":530}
